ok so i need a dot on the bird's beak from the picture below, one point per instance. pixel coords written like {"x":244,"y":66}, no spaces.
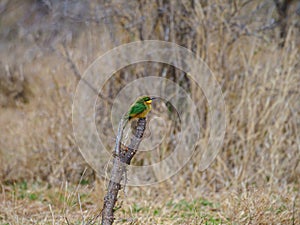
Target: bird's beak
{"x":153,"y":98}
{"x":150,"y":100}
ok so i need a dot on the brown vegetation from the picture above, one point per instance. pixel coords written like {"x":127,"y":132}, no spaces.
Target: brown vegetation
{"x":254,"y":179}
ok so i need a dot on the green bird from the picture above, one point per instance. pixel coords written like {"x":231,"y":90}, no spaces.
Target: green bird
{"x":139,"y":109}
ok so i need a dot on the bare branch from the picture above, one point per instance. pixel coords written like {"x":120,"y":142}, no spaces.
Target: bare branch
{"x":120,"y":162}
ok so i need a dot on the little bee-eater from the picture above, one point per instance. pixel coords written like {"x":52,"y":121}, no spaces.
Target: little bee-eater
{"x":139,"y":109}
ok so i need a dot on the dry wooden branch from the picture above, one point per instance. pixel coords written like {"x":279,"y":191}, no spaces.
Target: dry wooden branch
{"x":121,"y":160}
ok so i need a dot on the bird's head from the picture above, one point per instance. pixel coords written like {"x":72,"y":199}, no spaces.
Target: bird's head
{"x":145,"y":99}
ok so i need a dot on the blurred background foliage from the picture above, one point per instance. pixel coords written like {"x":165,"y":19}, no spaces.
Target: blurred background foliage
{"x":252,"y":47}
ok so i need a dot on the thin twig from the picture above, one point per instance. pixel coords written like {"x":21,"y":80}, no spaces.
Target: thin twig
{"x":80,"y":207}
{"x":52,"y":214}
{"x":119,"y":137}
{"x":66,"y":218}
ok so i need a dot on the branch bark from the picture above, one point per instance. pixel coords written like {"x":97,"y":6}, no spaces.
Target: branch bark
{"x":122,"y":158}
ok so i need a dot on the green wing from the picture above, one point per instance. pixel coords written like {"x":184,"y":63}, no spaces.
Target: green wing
{"x":136,"y":109}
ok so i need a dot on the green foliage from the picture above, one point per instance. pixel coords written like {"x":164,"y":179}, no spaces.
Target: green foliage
{"x":136,"y":208}
{"x":84,"y":182}
{"x":33,"y":196}
{"x":156,"y":212}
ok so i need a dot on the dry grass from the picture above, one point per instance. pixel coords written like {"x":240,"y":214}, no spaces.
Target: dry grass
{"x":255,"y":178}
{"x":23,"y":204}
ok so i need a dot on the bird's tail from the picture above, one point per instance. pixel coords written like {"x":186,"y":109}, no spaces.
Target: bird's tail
{"x":125,"y":123}
{"x":126,"y":119}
